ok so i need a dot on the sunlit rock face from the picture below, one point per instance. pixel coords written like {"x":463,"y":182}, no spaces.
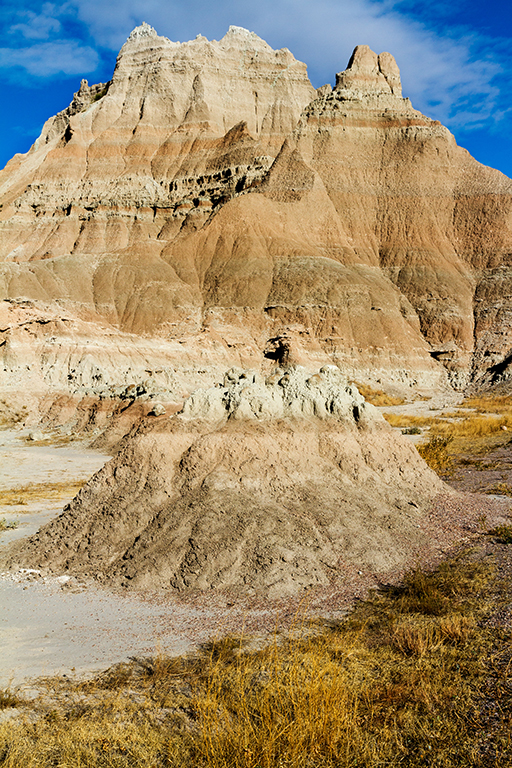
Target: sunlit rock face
{"x":207,"y":207}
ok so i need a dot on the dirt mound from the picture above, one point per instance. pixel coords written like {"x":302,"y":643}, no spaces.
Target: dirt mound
{"x":274,"y":485}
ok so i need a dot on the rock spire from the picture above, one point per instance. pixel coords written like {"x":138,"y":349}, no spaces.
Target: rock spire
{"x":369,"y":74}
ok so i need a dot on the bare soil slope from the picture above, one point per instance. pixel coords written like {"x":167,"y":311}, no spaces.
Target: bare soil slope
{"x":273,"y":486}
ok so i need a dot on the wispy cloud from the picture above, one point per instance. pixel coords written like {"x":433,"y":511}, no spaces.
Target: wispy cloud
{"x":455,"y":75}
{"x":50,"y":58}
{"x":36,"y":26}
{"x":441,"y":73}
{"x":38,"y":43}
{"x":451,"y":75}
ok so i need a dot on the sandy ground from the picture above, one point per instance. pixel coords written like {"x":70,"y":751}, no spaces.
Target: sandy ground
{"x":23,"y":463}
{"x":51,"y":624}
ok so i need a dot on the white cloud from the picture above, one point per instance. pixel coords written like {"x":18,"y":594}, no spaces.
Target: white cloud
{"x":111,"y":23}
{"x":448,"y":76}
{"x":441,"y":72}
{"x":51,"y":58}
{"x":36,"y":26}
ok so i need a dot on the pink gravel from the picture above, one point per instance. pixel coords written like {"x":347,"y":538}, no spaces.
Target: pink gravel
{"x":85,"y":627}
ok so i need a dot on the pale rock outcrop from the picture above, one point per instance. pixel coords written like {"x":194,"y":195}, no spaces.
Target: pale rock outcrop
{"x":294,"y":394}
{"x":270,"y":486}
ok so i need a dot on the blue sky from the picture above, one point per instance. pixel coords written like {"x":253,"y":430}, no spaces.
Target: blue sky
{"x":455,"y":56}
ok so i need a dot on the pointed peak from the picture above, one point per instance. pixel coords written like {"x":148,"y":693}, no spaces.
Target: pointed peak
{"x":234,"y":30}
{"x":370,"y":73}
{"x":144,"y":30}
{"x":363,"y":60}
{"x":239,"y":36}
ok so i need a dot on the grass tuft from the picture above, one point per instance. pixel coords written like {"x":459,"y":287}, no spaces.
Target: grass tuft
{"x":435,"y":453}
{"x":8,"y":699}
{"x":8,"y":525}
{"x":503,"y":532}
{"x":378,"y":397}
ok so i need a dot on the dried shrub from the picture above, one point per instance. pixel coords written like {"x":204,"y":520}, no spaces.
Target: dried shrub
{"x":503,"y":533}
{"x":435,"y":453}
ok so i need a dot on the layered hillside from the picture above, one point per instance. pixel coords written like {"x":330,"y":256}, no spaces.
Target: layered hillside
{"x":208,"y":207}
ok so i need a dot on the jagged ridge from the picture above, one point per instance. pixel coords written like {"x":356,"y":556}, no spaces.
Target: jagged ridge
{"x":209,"y":193}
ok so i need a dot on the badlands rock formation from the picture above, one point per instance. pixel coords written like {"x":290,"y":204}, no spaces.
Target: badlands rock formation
{"x":207,"y":207}
{"x":271,"y":486}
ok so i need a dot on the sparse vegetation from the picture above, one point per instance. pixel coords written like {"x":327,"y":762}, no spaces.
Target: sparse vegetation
{"x":503,"y":532}
{"x":435,"y":453}
{"x":474,"y":425}
{"x":377,"y":396}
{"x":407,"y":421}
{"x":500,"y":489}
{"x":8,"y":699}
{"x":489,"y":404}
{"x":100,"y":94}
{"x":23,"y":495}
{"x":54,"y":438}
{"x":9,"y":415}
{"x":401,"y":682}
{"x":456,"y":437}
{"x":411,"y":431}
{"x":8,"y":525}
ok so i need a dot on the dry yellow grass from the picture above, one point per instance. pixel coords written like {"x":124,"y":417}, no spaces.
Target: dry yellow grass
{"x":503,"y":532}
{"x":397,"y":684}
{"x":474,"y":425}
{"x":23,"y":495}
{"x":502,"y":489}
{"x":435,"y":452}
{"x":460,"y":433}
{"x":377,"y":396}
{"x":7,"y":525}
{"x":407,"y":420}
{"x":489,"y":404}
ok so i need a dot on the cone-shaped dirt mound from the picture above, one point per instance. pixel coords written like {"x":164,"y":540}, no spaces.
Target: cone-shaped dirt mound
{"x":273,"y":485}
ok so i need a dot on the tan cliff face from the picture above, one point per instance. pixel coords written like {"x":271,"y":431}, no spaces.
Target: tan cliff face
{"x":210,"y":203}
{"x":145,"y":145}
